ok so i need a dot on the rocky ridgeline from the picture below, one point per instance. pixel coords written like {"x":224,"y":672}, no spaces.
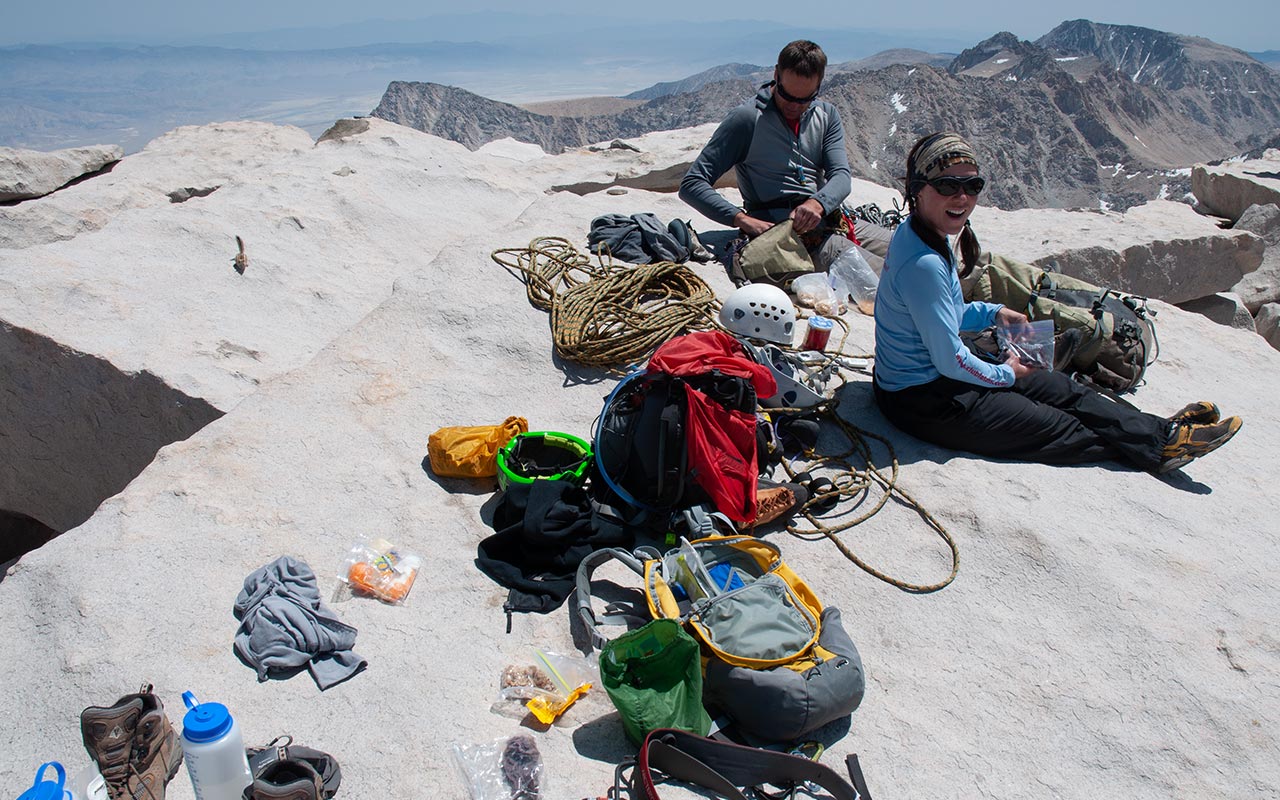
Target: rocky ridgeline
{"x":1087,"y":116}
{"x":724,"y":72}
{"x":472,"y":120}
{"x":1122,"y":624}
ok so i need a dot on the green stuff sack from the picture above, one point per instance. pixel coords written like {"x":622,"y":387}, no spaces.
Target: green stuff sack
{"x":653,"y":675}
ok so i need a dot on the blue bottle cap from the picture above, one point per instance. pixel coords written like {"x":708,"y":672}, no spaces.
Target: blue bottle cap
{"x":204,"y":722}
{"x":47,"y":790}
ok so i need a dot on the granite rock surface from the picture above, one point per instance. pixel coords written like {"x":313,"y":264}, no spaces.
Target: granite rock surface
{"x":1110,"y":633}
{"x":1159,"y":249}
{"x":1228,"y":189}
{"x":1263,"y":284}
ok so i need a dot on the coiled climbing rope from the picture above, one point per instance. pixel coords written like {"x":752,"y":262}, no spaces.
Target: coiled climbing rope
{"x":608,"y":315}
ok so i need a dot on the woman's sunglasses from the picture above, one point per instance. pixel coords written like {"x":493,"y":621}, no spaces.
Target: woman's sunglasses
{"x":948,"y":185}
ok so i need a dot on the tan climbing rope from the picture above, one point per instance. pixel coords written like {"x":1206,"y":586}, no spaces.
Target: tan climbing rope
{"x":609,"y":315}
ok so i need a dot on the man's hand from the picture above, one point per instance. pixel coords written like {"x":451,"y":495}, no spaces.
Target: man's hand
{"x":750,"y":225}
{"x":1007,"y":316}
{"x":806,"y":216}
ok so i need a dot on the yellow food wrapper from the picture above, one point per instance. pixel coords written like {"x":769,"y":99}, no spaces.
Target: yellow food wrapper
{"x":548,"y":711}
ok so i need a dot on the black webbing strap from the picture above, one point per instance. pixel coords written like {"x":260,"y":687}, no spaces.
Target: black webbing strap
{"x":723,"y":767}
{"x":788,"y":202}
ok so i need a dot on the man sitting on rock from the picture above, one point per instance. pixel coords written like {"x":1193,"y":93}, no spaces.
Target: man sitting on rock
{"x":787,"y":148}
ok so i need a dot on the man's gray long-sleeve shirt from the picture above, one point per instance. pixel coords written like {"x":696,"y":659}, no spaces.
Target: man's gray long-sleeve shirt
{"x":772,"y":163}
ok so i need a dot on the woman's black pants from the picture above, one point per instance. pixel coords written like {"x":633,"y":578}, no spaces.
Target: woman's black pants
{"x":1045,"y":416}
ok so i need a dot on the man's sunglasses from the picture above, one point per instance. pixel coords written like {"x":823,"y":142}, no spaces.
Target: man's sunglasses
{"x":790,"y":98}
{"x":948,"y":185}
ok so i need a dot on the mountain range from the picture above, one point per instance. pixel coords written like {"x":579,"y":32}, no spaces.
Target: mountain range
{"x":1088,"y":115}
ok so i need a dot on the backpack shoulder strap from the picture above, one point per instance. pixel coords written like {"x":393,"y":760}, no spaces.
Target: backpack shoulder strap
{"x":704,"y":523}
{"x":588,"y":565}
{"x":725,"y":766}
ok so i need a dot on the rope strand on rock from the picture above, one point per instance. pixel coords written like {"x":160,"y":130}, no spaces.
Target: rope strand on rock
{"x":856,"y":484}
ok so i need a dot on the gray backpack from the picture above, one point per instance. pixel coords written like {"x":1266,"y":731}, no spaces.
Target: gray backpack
{"x":777,"y":663}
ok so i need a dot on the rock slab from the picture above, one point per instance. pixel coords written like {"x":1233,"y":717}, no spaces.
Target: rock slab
{"x":25,"y":174}
{"x":1227,"y":190}
{"x":1160,"y":249}
{"x":1268,"y":323}
{"x":1261,"y":286}
{"x":1224,"y":308}
{"x":1130,"y":658}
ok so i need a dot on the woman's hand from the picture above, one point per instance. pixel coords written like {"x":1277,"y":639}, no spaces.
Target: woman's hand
{"x":1019,"y":368}
{"x":1007,"y":316}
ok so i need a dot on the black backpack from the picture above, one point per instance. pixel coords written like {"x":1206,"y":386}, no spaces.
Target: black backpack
{"x":641,"y":458}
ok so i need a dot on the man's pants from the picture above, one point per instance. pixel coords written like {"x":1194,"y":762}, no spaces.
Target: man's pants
{"x":875,"y":243}
{"x":1045,"y":416}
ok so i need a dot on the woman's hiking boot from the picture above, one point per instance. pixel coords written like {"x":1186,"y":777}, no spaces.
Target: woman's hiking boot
{"x":134,"y":745}
{"x":1201,"y":412}
{"x":1189,"y":441}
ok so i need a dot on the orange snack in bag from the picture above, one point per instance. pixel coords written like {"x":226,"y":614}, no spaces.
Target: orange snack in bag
{"x":387,"y":585}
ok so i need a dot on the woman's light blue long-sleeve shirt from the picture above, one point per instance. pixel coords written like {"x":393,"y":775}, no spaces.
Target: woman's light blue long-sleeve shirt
{"x":920,"y":312}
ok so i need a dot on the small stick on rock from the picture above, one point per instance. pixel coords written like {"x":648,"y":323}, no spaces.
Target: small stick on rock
{"x":241,"y":261}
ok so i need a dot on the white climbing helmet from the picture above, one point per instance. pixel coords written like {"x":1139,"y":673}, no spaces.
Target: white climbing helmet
{"x":800,"y":385}
{"x":759,"y":311}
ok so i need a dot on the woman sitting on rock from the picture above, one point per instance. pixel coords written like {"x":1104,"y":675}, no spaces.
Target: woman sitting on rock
{"x":929,"y":384}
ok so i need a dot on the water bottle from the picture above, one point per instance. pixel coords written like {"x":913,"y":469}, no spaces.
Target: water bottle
{"x":88,"y":784}
{"x":214,"y":751}
{"x":851,"y":276}
{"x":48,"y":789}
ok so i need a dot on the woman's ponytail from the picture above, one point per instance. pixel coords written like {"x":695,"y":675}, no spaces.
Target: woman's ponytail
{"x":970,"y":250}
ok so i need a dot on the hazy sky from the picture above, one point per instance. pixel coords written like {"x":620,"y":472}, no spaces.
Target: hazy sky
{"x":1247,"y":24}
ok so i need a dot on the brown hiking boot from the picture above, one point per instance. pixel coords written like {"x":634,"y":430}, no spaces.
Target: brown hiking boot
{"x":1201,"y":412}
{"x":1189,"y":441}
{"x":133,"y":744}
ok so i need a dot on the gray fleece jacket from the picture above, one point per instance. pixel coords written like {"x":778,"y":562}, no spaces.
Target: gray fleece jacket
{"x":284,"y":625}
{"x":773,"y":164}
